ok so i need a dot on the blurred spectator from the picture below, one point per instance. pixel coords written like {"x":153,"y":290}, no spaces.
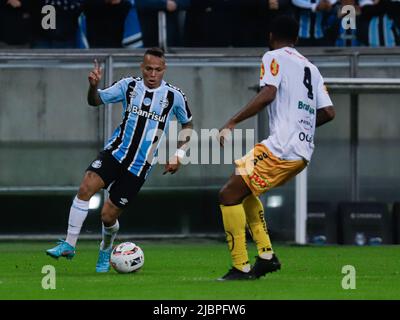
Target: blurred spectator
{"x":278,"y":8}
{"x":224,"y":23}
{"x":238,"y":23}
{"x":109,"y":24}
{"x":313,"y":16}
{"x":105,"y":22}
{"x":64,"y":35}
{"x":393,"y":9}
{"x":207,"y":24}
{"x":335,"y":33}
{"x":148,"y":15}
{"x":195,"y":23}
{"x":14,"y":23}
{"x":254,"y":17}
{"x":133,"y":37}
{"x":249,"y":23}
{"x":379,"y":23}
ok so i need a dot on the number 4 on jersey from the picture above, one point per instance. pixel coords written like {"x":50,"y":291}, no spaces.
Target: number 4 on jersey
{"x":307,"y":82}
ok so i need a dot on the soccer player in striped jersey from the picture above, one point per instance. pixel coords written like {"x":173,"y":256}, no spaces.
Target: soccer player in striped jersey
{"x":123,"y":166}
{"x":298,"y":103}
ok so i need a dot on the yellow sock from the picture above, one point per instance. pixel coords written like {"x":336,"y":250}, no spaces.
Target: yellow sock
{"x":234,"y":219}
{"x":257,"y":225}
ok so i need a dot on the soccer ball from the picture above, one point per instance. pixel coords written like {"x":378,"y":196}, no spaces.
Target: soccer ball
{"x":127,"y":257}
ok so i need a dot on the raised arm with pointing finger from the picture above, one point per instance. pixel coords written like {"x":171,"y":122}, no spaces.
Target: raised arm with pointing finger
{"x":94,"y":79}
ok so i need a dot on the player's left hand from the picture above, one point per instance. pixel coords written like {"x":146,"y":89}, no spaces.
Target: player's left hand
{"x":172,"y":165}
{"x":224,"y":132}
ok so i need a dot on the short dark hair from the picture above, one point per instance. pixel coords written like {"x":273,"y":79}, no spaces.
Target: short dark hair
{"x":284,"y":28}
{"x":158,"y":52}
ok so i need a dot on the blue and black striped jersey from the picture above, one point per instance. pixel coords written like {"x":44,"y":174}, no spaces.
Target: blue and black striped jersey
{"x":145,"y":119}
{"x":312,"y":23}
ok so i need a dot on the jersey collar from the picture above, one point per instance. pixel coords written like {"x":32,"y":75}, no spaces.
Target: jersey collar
{"x":155,"y":89}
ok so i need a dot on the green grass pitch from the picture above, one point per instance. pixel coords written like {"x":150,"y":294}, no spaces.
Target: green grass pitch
{"x":187,"y":270}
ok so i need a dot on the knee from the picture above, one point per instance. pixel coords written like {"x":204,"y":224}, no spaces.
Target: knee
{"x":85,"y":192}
{"x":229,"y":196}
{"x":90,"y":184}
{"x":224,"y":196}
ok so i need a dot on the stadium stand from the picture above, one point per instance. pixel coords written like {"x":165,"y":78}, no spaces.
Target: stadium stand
{"x":195,"y":23}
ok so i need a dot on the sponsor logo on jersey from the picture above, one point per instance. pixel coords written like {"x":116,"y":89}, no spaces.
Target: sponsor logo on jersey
{"x":96,"y":164}
{"x":147,"y":102}
{"x":147,"y":114}
{"x":306,"y":123}
{"x":305,"y":136}
{"x":274,"y":67}
{"x":164,"y":103}
{"x":133,"y":94}
{"x":260,"y":157}
{"x":262,"y":71}
{"x":306,"y":107}
{"x":258,"y":181}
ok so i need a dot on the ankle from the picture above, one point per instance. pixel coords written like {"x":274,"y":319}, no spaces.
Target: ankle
{"x":266,"y":256}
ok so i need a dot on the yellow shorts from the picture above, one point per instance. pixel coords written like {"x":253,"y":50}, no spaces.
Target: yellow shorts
{"x":262,"y":171}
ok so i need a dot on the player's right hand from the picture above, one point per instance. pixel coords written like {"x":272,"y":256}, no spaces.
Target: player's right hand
{"x":95,"y":74}
{"x":172,"y":165}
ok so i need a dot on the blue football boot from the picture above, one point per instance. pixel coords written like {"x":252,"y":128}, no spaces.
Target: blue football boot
{"x":63,"y":249}
{"x":103,"y":262}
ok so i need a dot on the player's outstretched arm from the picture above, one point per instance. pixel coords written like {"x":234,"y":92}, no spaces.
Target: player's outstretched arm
{"x":187,"y":133}
{"x":325,"y":115}
{"x":173,"y":164}
{"x":94,"y":78}
{"x":266,"y":95}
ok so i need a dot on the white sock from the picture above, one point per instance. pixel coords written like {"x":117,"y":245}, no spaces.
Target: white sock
{"x":246,"y":268}
{"x":266,"y":256}
{"x":77,"y":216}
{"x":109,"y":234}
